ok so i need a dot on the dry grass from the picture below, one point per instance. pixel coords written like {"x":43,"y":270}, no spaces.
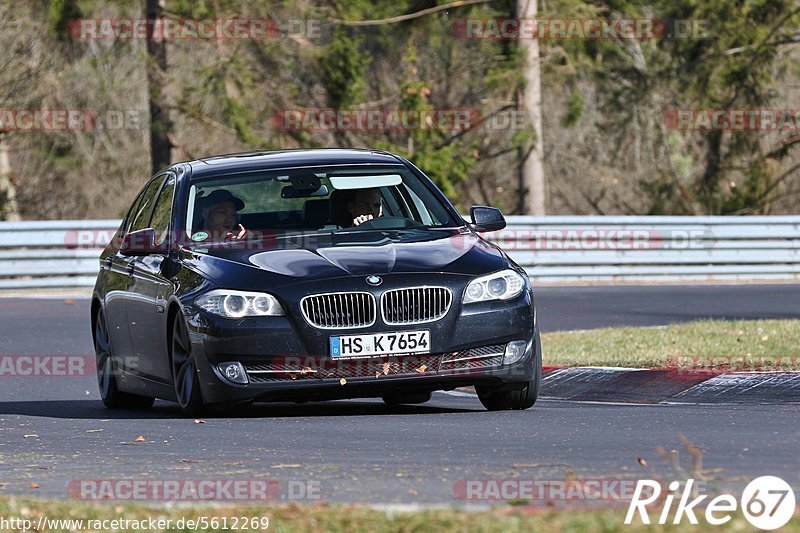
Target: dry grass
{"x":352,"y":518}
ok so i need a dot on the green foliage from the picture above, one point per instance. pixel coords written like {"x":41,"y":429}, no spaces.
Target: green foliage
{"x":59,"y":14}
{"x":448,"y":162}
{"x":610,"y":96}
{"x":728,"y":62}
{"x":342,"y":67}
{"x":574,"y":108}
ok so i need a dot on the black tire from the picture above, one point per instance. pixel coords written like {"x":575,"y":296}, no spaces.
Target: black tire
{"x":184,"y":371}
{"x":410,"y":398}
{"x":107,"y":372}
{"x":515,"y":399}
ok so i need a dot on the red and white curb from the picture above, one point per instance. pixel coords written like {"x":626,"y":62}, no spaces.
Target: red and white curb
{"x":669,"y":385}
{"x":664,"y":386}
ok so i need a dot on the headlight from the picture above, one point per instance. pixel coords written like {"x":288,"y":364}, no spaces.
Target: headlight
{"x":238,"y":304}
{"x":502,"y":285}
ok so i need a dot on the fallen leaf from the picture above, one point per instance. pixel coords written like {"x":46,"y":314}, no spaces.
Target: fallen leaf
{"x":342,"y":381}
{"x":198,"y":421}
{"x":413,"y":492}
{"x":385,"y":369}
{"x":139,"y":439}
{"x":33,"y":486}
{"x":641,"y":461}
{"x":422,"y":369}
{"x":69,"y":301}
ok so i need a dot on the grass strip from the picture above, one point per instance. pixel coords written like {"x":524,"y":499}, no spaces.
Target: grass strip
{"x":744,"y":345}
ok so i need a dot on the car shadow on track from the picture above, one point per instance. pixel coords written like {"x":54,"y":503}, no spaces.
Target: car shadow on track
{"x":95,"y":410}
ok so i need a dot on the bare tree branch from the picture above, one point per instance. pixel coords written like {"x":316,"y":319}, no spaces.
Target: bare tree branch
{"x":401,"y":18}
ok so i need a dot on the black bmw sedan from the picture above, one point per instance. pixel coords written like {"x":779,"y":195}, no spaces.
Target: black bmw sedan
{"x":308,"y":275}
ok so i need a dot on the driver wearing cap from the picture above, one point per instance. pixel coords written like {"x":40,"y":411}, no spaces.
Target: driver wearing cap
{"x":219,"y":215}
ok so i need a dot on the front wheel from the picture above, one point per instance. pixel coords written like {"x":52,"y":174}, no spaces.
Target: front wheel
{"x":107,"y":371}
{"x":515,"y":399}
{"x":184,"y":370}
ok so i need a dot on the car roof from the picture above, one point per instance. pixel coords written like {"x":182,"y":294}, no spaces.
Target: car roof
{"x":231,"y":163}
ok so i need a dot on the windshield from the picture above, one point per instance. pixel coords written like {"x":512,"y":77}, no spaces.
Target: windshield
{"x":327,"y":199}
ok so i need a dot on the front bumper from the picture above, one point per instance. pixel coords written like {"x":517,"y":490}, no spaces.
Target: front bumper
{"x":286,"y":362}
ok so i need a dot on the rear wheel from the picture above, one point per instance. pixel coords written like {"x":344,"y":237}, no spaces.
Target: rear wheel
{"x":495,"y":399}
{"x":411,"y":398}
{"x":107,"y":372}
{"x":184,"y":370}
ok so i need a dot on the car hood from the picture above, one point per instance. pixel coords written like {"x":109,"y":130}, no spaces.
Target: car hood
{"x":320,"y":256}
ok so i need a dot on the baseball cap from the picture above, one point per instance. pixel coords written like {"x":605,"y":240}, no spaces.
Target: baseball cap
{"x":219,"y":196}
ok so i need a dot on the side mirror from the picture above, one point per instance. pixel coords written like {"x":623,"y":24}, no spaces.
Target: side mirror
{"x":140,"y":242}
{"x":486,"y":218}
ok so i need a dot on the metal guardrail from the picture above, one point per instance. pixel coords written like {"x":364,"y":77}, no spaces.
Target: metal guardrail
{"x":654,"y":248}
{"x":63,"y":254}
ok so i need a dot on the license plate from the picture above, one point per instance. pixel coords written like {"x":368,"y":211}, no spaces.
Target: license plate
{"x":381,"y":343}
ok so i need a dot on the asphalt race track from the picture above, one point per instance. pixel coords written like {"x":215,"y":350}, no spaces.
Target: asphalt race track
{"x":54,"y":431}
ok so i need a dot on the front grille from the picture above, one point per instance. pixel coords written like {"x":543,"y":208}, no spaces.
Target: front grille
{"x":317,"y":368}
{"x":339,"y":310}
{"x":415,"y":305}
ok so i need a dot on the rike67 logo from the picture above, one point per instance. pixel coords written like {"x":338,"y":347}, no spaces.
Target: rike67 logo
{"x":767,"y":502}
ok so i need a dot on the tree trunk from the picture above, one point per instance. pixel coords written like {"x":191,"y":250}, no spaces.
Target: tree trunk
{"x":8,"y":192}
{"x":160,"y":125}
{"x":532,"y":185}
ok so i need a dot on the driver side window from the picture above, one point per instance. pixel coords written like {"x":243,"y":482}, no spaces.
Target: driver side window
{"x":163,"y":210}
{"x":141,"y":215}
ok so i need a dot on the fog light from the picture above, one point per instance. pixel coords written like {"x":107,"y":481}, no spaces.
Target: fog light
{"x":514,"y":352}
{"x":233,"y":372}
